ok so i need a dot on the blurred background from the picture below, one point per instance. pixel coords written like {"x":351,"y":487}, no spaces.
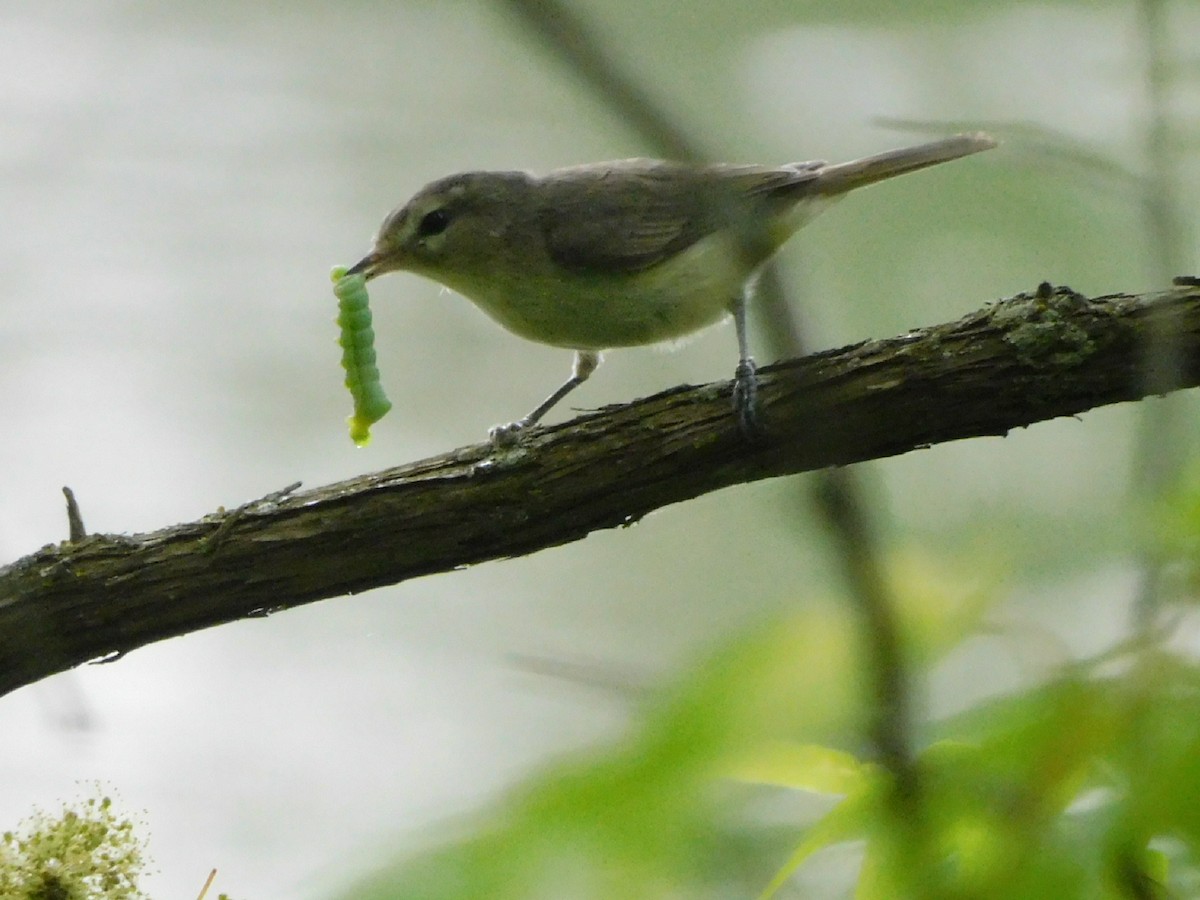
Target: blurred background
{"x":177,"y":180}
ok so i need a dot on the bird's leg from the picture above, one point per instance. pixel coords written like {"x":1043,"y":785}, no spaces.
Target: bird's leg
{"x":586,"y":362}
{"x":745,"y":377}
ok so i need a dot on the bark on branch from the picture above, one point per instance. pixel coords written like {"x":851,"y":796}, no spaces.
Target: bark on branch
{"x":1029,"y":358}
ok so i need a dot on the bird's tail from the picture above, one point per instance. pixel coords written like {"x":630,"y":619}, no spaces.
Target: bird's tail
{"x":838,"y":179}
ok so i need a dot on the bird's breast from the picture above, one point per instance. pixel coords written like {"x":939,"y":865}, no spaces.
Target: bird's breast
{"x":597,"y":310}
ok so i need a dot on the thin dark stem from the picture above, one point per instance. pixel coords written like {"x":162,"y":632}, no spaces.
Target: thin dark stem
{"x":838,"y":498}
{"x":567,"y":35}
{"x":1160,"y":447}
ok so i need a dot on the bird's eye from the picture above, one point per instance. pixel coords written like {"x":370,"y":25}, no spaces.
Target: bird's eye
{"x":433,"y":223}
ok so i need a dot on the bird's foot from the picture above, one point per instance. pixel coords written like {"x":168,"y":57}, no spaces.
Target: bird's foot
{"x":503,"y":437}
{"x":745,"y":400}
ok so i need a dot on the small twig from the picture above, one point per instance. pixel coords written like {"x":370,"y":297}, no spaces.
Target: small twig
{"x":1035,"y":145}
{"x":602,"y":677}
{"x":207,"y":884}
{"x":234,"y":516}
{"x":76,"y":531}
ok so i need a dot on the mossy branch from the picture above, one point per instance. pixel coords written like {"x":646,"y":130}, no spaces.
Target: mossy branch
{"x":1022,"y":360}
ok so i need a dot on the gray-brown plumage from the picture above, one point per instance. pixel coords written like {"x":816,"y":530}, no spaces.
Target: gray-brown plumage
{"x":621,"y":253}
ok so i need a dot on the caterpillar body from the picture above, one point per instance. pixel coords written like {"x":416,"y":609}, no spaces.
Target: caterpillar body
{"x":358,"y":354}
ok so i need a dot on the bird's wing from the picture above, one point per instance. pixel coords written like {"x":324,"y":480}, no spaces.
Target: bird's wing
{"x":633,"y":214}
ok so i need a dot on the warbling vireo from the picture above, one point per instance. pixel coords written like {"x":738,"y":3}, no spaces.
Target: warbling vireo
{"x":624,"y":253}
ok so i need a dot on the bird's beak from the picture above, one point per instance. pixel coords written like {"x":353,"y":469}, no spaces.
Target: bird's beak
{"x":368,"y":266}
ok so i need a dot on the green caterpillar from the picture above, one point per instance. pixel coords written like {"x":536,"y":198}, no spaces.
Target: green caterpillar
{"x":358,"y":354}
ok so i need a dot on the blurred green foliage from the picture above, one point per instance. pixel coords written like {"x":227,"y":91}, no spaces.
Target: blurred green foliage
{"x":1082,"y":784}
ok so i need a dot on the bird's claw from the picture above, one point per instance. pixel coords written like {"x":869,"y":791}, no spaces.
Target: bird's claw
{"x":745,"y":400}
{"x":502,"y":437}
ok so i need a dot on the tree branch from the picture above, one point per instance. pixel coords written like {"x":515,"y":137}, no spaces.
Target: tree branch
{"x":1029,"y":358}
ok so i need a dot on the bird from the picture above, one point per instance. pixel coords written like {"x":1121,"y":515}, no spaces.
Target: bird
{"x":624,"y":253}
